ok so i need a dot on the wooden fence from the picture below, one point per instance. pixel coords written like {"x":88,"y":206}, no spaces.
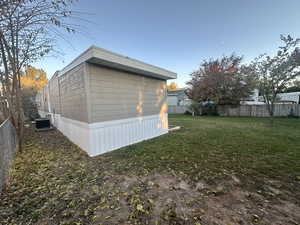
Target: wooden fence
{"x":174,"y":109}
{"x":8,"y":148}
{"x":259,"y":110}
{"x":247,"y":110}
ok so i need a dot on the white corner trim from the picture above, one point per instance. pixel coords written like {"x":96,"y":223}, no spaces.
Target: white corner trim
{"x":102,"y":137}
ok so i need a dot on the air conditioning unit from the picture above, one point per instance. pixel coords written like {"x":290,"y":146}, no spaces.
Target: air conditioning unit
{"x":43,"y":124}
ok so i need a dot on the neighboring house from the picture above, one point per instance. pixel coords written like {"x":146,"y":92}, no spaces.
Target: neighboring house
{"x":103,"y":101}
{"x":292,"y":97}
{"x":253,"y":99}
{"x":282,"y":98}
{"x":178,"y":98}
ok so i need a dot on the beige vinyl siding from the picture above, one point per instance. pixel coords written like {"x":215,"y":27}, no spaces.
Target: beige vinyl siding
{"x":73,"y":95}
{"x":118,"y":95}
{"x":54,"y":95}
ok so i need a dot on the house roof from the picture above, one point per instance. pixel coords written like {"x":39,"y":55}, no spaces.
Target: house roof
{"x":112,"y":60}
{"x":176,"y":92}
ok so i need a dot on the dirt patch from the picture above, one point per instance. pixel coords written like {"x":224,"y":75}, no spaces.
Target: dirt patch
{"x":166,"y":199}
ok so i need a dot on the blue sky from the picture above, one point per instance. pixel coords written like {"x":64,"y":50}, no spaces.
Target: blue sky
{"x":178,"y":35}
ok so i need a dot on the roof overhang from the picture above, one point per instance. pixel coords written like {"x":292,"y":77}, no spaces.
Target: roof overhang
{"x":116,"y":61}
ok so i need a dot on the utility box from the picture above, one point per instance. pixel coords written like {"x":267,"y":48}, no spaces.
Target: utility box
{"x":42,"y":124}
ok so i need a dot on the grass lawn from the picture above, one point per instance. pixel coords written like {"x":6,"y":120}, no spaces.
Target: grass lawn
{"x":207,"y":146}
{"x":215,"y":170}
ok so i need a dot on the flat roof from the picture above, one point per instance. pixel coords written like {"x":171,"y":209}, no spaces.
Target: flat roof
{"x":113,"y":60}
{"x":176,"y":92}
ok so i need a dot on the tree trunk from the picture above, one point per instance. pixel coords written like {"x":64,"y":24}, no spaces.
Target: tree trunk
{"x":20,"y":117}
{"x":270,"y":107}
{"x":271,"y":112}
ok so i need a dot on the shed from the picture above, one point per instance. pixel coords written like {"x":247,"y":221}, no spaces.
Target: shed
{"x":103,"y":101}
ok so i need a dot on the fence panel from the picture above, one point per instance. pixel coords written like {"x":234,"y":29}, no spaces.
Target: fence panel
{"x":174,"y":109}
{"x":259,"y":110}
{"x":247,"y":110}
{"x":8,"y":147}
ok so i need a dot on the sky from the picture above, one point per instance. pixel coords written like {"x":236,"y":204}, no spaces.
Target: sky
{"x":177,"y":35}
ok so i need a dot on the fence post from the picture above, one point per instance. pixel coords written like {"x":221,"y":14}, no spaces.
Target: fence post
{"x":8,"y":144}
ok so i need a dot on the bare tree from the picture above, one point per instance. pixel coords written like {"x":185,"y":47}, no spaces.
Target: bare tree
{"x":27,"y":33}
{"x":275,"y":74}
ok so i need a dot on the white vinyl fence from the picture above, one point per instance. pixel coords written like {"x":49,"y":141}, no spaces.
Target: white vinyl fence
{"x":259,"y":110}
{"x":8,"y":148}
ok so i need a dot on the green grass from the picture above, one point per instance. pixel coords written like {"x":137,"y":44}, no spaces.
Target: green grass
{"x":211,"y":146}
{"x":55,"y":182}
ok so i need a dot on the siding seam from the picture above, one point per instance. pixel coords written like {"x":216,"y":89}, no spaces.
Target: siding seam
{"x":87,"y":91}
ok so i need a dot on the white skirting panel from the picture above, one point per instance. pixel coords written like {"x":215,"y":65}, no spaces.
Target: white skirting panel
{"x":111,"y":135}
{"x":102,"y":137}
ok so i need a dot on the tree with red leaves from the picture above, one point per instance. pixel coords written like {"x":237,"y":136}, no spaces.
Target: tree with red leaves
{"x":223,"y":81}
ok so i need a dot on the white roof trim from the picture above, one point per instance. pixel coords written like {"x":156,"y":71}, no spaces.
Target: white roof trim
{"x":106,"y":58}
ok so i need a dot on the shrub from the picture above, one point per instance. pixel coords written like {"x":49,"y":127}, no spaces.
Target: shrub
{"x":200,"y":109}
{"x":209,"y":109}
{"x":195,"y":108}
{"x":29,"y":105}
